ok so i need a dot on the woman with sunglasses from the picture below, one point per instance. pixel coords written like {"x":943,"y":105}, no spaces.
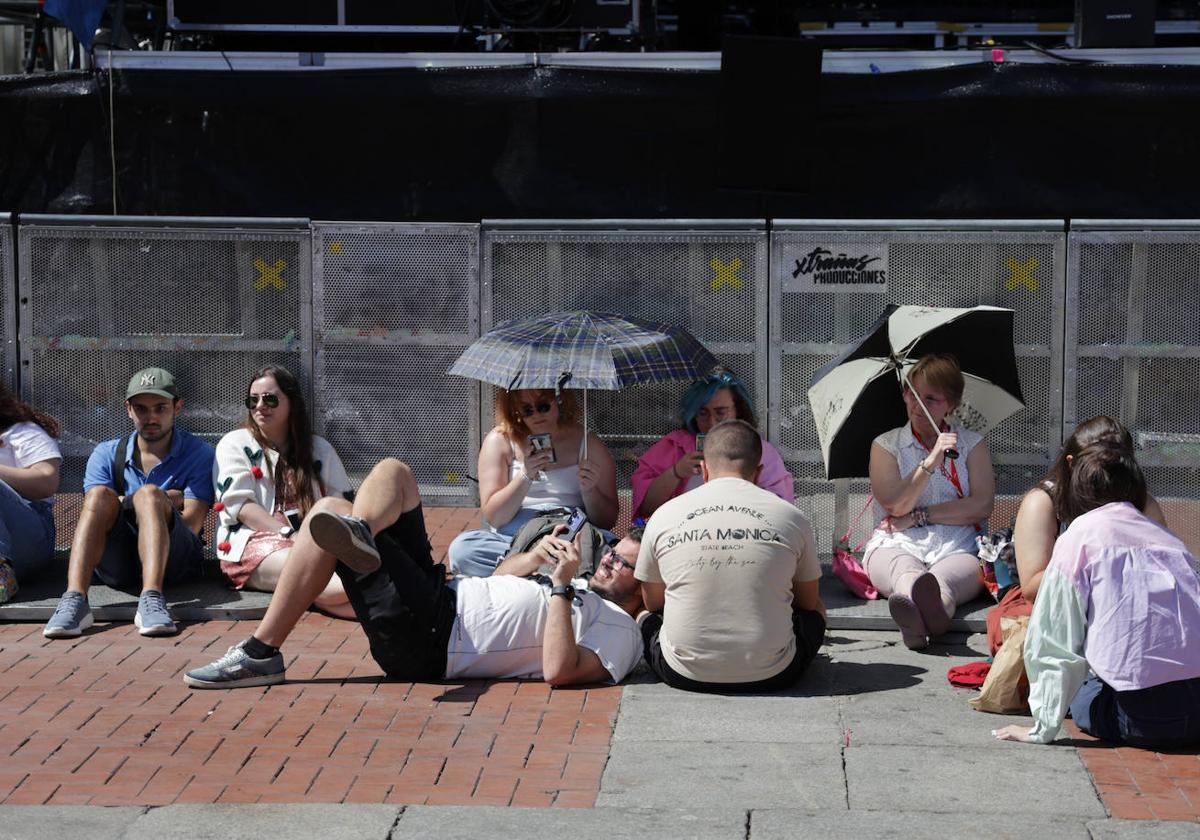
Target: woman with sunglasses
{"x":672,"y":466}
{"x":268,"y":475}
{"x":518,"y":481}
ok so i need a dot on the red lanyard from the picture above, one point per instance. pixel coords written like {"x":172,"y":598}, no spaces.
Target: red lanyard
{"x":951,"y":476}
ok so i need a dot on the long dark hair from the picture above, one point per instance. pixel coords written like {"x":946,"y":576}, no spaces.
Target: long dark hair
{"x":299,"y":454}
{"x":1100,"y":429}
{"x":1102,"y":473}
{"x":13,"y":411}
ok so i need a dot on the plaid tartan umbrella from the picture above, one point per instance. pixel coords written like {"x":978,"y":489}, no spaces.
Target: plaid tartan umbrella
{"x":583,"y":350}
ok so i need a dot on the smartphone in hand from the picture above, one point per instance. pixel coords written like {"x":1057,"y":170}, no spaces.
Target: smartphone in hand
{"x":577,"y":520}
{"x":540,"y":442}
{"x":699,"y":443}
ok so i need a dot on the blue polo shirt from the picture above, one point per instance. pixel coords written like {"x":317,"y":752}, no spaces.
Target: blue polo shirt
{"x":187,"y":467}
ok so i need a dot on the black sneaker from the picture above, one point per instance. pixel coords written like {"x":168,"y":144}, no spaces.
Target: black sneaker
{"x":237,"y":670}
{"x":347,"y":538}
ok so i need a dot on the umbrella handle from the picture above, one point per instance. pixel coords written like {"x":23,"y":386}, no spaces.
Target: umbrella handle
{"x":952,"y":454}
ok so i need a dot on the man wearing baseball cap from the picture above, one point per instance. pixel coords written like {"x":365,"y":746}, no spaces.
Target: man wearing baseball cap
{"x":144,"y":503}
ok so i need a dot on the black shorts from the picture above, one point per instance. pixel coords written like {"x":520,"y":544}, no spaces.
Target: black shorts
{"x":808,"y":625}
{"x":405,"y":607}
{"x":121,"y":564}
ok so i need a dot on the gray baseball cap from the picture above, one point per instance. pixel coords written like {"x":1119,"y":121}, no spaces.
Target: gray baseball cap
{"x":152,"y":380}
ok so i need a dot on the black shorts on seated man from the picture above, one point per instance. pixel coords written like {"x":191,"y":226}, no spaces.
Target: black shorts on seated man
{"x":421,"y":628}
{"x":734,"y":571}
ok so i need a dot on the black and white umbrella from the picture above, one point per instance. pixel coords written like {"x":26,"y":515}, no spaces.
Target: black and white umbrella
{"x":858,"y":396}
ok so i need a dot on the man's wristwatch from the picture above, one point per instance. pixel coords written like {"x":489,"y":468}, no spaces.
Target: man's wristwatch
{"x":565,"y":590}
{"x":286,"y":531}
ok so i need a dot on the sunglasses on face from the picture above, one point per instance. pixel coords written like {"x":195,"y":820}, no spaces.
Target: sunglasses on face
{"x":540,"y":408}
{"x":616,"y":560}
{"x":269,"y":400}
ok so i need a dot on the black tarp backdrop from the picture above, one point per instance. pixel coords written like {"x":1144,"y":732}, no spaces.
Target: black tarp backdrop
{"x":978,"y":141}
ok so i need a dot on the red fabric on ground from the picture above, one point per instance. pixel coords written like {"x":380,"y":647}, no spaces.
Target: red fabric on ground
{"x":970,"y":675}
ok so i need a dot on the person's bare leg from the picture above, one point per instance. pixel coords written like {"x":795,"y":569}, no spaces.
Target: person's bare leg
{"x":388,"y":491}
{"x":100,"y":508}
{"x":334,"y":600}
{"x":154,"y":511}
{"x":305,"y":575}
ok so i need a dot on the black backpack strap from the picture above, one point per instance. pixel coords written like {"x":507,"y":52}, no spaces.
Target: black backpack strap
{"x":118,"y":464}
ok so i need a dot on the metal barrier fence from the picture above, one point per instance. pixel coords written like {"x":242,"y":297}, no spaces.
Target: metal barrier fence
{"x":8,"y":303}
{"x":210,"y":300}
{"x":393,"y":307}
{"x":817,"y":313}
{"x":1133,"y":348}
{"x":372,"y":315}
{"x":710,"y":276}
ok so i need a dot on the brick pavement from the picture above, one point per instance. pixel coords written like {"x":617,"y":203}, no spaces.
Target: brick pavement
{"x":1142,"y":784}
{"x":106,"y":720}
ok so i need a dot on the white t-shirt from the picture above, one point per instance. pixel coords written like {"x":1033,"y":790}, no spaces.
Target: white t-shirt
{"x":731,"y":555}
{"x":501,"y":622}
{"x":25,"y":444}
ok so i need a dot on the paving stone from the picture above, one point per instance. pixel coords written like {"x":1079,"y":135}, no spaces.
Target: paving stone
{"x":452,"y":823}
{"x":1143,"y":830}
{"x":652,"y":713}
{"x":774,"y":824}
{"x":679,"y":774}
{"x":993,"y":778}
{"x":253,"y":822}
{"x":21,"y":822}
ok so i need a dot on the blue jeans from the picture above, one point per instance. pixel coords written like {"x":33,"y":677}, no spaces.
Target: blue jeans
{"x":1163,"y":717}
{"x":26,"y":532}
{"x":477,"y":553}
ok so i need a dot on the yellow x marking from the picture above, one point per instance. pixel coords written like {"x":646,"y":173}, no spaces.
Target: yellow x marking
{"x":452,"y":477}
{"x":269,"y":274}
{"x":1021,"y":274}
{"x":726,"y":273}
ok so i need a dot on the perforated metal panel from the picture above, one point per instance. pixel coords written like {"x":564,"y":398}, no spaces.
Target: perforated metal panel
{"x":394,"y":306}
{"x":706,"y":276}
{"x":211,"y":303}
{"x":1133,"y":350}
{"x":8,"y":302}
{"x":950,"y":264}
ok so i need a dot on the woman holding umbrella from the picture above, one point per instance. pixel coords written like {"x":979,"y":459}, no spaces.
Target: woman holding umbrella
{"x":672,"y":465}
{"x":518,"y":480}
{"x":933,"y":486}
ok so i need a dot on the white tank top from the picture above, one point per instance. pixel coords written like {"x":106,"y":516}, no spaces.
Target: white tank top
{"x":552,"y":488}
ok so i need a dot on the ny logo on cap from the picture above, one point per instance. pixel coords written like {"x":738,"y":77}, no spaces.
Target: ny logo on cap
{"x":148,"y":378}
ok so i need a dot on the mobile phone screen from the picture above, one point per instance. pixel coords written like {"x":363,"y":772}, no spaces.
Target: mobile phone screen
{"x":699,"y":443}
{"x":574,"y":524}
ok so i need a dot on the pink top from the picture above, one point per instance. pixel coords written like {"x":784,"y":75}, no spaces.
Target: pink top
{"x":663,"y":455}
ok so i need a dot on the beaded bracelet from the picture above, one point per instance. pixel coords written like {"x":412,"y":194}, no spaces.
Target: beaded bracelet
{"x":920,"y":516}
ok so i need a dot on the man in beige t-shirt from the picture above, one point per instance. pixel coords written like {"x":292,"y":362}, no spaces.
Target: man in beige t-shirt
{"x":733,"y":570}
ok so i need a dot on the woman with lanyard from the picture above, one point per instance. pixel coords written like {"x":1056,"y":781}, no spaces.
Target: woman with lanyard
{"x":928,"y":505}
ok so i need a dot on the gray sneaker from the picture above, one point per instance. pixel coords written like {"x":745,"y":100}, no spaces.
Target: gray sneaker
{"x":71,"y":617}
{"x":347,"y":538}
{"x":237,"y":670}
{"x":152,"y":618}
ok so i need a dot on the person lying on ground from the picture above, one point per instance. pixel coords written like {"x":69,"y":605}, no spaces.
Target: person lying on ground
{"x":422,"y":627}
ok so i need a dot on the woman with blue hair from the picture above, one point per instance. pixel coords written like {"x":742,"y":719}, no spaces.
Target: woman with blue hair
{"x":672,"y":466}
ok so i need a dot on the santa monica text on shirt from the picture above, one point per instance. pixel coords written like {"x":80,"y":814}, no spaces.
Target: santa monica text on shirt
{"x":738,"y":534}
{"x":827,"y":268}
{"x":723,"y":509}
